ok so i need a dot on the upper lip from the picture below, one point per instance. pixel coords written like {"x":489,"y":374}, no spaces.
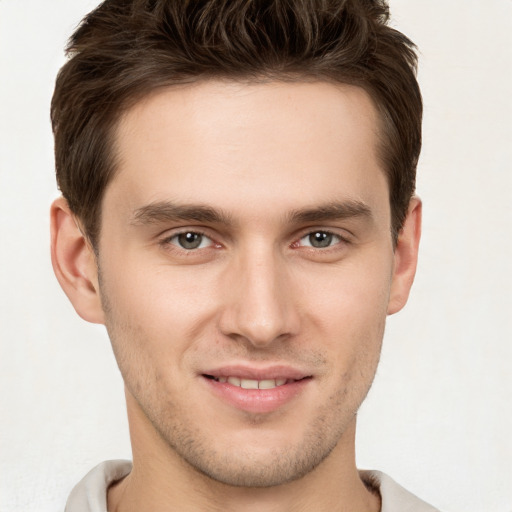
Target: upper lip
{"x":258,"y":373}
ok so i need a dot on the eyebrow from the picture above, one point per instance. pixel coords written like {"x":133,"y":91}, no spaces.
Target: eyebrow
{"x":332,"y":211}
{"x":164,"y":211}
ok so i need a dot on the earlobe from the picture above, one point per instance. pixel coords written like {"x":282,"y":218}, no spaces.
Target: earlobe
{"x":406,"y":257}
{"x":74,"y":263}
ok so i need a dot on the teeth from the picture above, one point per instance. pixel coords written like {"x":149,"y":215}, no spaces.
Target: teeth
{"x":252,"y":383}
{"x":267,"y":384}
{"x":248,"y":384}
{"x":235,"y":381}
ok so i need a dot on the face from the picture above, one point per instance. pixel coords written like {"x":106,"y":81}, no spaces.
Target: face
{"x":246,"y":264}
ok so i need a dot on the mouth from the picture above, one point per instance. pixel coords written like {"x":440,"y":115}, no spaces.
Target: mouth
{"x":257,"y":390}
{"x":253,"y":383}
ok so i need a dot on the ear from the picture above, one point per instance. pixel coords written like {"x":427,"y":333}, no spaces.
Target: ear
{"x":406,"y":257}
{"x":74,"y":263}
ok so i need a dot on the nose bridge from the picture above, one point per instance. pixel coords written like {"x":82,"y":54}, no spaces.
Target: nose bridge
{"x":260,"y":307}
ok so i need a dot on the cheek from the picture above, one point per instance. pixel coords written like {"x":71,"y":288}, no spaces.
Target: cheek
{"x":149,"y":328}
{"x":160,"y":308}
{"x":347,"y":310}
{"x":354,"y":294}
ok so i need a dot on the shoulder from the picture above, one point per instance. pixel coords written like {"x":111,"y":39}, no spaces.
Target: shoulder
{"x":90,"y":494}
{"x":394,"y":496}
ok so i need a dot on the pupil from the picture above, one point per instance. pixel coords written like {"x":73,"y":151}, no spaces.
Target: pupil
{"x":190,"y":240}
{"x":320,"y":239}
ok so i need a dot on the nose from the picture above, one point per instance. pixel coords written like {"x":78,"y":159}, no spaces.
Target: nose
{"x":259,"y":308}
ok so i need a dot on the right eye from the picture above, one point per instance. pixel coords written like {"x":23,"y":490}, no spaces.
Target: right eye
{"x":190,"y":240}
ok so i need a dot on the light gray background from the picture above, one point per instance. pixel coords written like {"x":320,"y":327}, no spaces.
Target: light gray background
{"x":439,"y":416}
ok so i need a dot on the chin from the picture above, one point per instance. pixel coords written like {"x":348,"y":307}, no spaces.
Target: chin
{"x":244,"y":470}
{"x":255,"y":456}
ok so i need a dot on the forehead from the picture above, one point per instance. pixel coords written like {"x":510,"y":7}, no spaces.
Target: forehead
{"x":274,"y":143}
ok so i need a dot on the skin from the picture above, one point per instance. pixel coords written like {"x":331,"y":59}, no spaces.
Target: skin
{"x":270,"y":161}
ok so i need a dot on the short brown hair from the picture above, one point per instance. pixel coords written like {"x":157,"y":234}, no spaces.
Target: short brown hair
{"x":125,"y":49}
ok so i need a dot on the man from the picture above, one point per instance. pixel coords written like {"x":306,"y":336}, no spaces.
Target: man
{"x":238,"y":209}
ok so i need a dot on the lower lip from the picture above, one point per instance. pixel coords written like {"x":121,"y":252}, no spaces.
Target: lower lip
{"x":257,"y":400}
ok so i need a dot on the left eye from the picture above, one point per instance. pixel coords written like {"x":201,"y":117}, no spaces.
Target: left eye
{"x":190,"y":240}
{"x":320,"y":239}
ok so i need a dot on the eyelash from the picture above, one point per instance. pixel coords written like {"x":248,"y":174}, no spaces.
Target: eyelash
{"x":340,"y":238}
{"x":167,"y":242}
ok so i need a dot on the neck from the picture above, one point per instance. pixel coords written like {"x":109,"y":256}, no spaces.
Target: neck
{"x":161,"y":481}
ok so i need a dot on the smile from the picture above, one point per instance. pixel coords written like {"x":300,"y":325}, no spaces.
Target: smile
{"x":252,"y":383}
{"x":257,"y":391}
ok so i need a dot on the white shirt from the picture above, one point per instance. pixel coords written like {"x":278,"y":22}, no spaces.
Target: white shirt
{"x":90,"y":494}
